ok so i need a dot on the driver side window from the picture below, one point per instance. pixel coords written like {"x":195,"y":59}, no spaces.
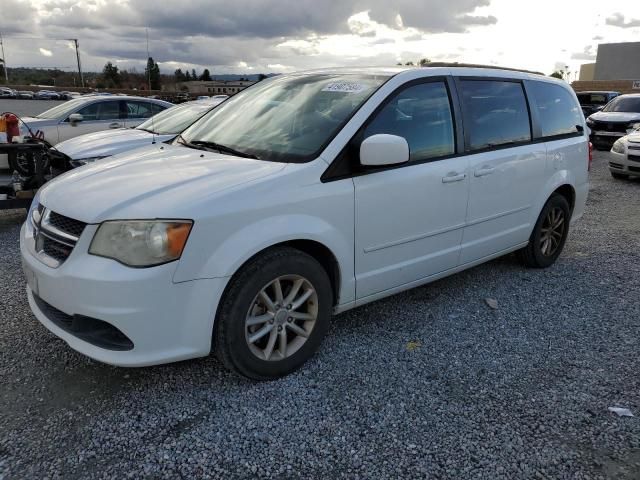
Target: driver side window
{"x":421,"y":114}
{"x":90,"y":112}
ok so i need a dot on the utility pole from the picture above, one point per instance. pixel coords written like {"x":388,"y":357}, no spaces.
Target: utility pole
{"x":75,"y":41}
{"x":4,"y":62}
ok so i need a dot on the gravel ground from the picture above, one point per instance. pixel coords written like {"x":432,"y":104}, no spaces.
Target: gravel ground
{"x":431,"y":383}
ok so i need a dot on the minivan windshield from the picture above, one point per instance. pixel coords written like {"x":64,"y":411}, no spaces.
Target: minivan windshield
{"x":175,"y":119}
{"x":288,"y":118}
{"x":623,"y":104}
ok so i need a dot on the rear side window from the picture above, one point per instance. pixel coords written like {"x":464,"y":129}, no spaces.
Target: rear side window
{"x":558,"y":112}
{"x":495,"y":113}
{"x":421,"y":114}
{"x":139,"y":109}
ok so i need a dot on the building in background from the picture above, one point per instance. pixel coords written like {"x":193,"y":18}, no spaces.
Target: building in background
{"x":618,"y":61}
{"x":213,"y":87}
{"x":617,"y":68}
{"x":587,"y":72}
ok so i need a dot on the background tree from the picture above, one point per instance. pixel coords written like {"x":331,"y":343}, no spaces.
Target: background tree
{"x":558,"y":74}
{"x":179,"y":75}
{"x":410,"y":64}
{"x":152,"y":73}
{"x":110,"y":75}
{"x":187,"y":77}
{"x":424,"y":62}
{"x":194,"y":75}
{"x":206,"y":76}
{"x":261,"y":77}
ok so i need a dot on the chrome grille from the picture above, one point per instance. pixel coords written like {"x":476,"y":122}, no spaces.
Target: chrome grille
{"x":66,"y":224}
{"x":55,"y":235}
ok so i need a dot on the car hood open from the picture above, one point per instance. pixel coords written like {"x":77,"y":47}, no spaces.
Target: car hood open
{"x":153,"y":182}
{"x":108,"y":142}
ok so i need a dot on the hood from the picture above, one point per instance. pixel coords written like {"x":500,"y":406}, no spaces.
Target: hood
{"x":616,"y":116}
{"x":108,"y":142}
{"x":153,"y":182}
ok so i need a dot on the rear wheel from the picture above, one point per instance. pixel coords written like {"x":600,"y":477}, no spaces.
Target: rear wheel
{"x":549,"y":234}
{"x":274,"y":314}
{"x":619,"y":176}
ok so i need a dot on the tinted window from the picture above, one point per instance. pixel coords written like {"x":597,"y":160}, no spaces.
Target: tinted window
{"x":422,"y":115}
{"x":495,"y":113}
{"x":108,"y":110}
{"x":90,"y":112}
{"x":139,"y":109}
{"x":557,"y":110}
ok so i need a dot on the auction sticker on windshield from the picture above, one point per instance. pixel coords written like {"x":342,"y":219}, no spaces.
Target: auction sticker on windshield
{"x":345,"y":87}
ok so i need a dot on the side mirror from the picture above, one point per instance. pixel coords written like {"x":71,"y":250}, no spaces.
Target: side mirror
{"x":75,"y":118}
{"x":382,"y":149}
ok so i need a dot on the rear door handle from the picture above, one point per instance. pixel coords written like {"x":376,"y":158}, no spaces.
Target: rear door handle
{"x":481,"y":172}
{"x":114,"y":125}
{"x":454,"y":177}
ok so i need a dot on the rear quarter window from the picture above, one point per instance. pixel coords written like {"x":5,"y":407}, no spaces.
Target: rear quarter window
{"x":558,"y":112}
{"x":495,"y":113}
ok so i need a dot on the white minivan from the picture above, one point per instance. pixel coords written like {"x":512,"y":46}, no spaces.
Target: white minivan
{"x":303,"y":196}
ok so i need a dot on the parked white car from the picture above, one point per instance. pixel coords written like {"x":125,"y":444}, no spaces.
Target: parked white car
{"x":305,"y":195}
{"x":162,"y":127}
{"x":624,"y":161}
{"x":89,"y":114}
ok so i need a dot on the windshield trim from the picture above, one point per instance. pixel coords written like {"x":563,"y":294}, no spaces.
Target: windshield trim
{"x":289,"y":158}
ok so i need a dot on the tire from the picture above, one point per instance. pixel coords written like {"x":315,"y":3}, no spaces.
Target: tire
{"x":538,"y":253}
{"x":619,"y":176}
{"x":242,"y":303}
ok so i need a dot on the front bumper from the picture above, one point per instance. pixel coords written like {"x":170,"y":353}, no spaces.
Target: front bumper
{"x":165,"y":321}
{"x":620,"y":163}
{"x":605,"y":141}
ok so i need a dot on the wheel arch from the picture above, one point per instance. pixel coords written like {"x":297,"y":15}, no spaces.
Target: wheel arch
{"x":568,"y":192}
{"x":319,"y":251}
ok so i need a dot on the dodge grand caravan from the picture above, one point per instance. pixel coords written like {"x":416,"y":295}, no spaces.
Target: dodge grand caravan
{"x":302,"y":196}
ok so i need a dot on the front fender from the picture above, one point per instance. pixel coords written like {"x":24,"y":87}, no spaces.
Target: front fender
{"x":253,"y":238}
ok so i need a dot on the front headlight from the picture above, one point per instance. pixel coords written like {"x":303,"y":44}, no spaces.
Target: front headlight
{"x":138,"y":243}
{"x":84,"y":161}
{"x":618,"y":146}
{"x":590,"y":121}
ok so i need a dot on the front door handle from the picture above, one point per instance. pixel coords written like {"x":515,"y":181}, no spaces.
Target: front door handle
{"x":454,"y":177}
{"x":481,"y":172}
{"x":114,"y":125}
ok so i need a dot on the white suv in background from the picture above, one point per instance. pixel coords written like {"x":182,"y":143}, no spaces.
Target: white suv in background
{"x":304,"y":195}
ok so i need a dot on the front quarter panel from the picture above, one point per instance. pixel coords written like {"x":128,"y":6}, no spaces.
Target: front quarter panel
{"x":291,"y":206}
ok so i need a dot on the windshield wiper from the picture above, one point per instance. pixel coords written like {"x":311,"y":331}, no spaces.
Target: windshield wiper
{"x":222,"y":149}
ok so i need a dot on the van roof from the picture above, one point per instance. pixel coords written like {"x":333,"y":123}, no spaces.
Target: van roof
{"x":465,"y":69}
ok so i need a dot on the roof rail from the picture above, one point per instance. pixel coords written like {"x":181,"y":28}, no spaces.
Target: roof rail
{"x":473,"y":65}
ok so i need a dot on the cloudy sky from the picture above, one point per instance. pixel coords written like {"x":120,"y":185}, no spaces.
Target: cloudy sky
{"x":253,"y":36}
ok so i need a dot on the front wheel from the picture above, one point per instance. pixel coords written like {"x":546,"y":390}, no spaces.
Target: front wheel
{"x":274,"y":314}
{"x":549,"y":234}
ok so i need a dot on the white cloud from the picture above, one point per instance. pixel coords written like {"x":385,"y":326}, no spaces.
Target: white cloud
{"x":45,"y":52}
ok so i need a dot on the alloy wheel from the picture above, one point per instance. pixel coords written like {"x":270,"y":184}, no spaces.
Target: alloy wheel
{"x":281,"y":317}
{"x":552,"y":231}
